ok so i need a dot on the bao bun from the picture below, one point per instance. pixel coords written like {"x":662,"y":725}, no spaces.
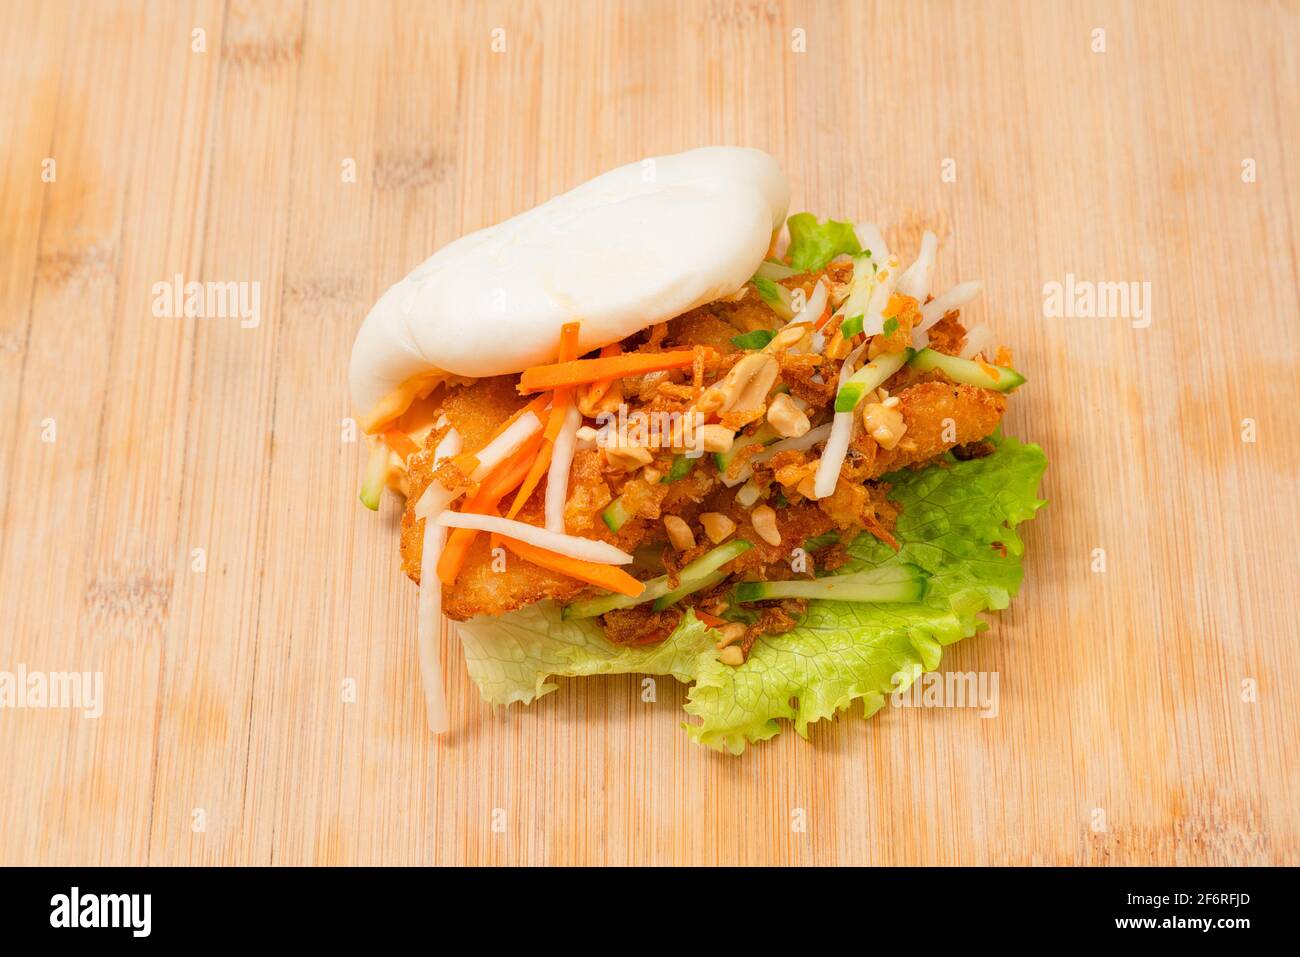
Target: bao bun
{"x":635,"y":246}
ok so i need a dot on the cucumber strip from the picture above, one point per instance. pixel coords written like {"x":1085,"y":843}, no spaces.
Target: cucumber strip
{"x":703,"y":567}
{"x":687,"y":588}
{"x":869,"y":377}
{"x":616,"y":514}
{"x":770,"y":269}
{"x":968,"y":371}
{"x":891,"y":584}
{"x":372,"y":487}
{"x":682,"y":465}
{"x":776,"y":296}
{"x":754,"y":339}
{"x":764,"y":435}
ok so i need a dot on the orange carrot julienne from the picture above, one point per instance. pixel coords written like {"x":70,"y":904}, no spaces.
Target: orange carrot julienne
{"x":610,"y":577}
{"x":824,"y":318}
{"x":568,"y":374}
{"x":567,"y":352}
{"x":713,"y":621}
{"x":568,"y":342}
{"x":400,"y":443}
{"x":498,"y":484}
{"x":598,"y":389}
{"x":540,"y":465}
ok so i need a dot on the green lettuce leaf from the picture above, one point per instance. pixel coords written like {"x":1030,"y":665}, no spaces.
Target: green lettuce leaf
{"x":814,"y":244}
{"x":958,"y":522}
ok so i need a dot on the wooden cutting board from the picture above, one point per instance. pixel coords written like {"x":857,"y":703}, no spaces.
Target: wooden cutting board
{"x":1147,"y":712}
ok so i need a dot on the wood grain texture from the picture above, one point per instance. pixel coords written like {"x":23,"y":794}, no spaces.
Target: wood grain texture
{"x":1120,"y":691}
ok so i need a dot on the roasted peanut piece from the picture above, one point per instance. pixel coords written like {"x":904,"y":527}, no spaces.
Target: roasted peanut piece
{"x":717,"y":526}
{"x":786,"y":418}
{"x":732,"y":655}
{"x":628,"y":459}
{"x":731,"y":633}
{"x":763,"y":519}
{"x":717,"y":438}
{"x":679,"y":533}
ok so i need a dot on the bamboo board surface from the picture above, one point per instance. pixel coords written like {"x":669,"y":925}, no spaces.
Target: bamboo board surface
{"x":1147,"y":713}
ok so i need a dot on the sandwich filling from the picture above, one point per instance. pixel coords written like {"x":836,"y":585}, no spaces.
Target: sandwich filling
{"x":726,"y":457}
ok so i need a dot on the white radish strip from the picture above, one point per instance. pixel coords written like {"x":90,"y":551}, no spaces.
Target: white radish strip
{"x":585,"y":549}
{"x":872,"y":241}
{"x":837,"y":445}
{"x":954,"y":298}
{"x":557,"y":477}
{"x":873,"y":318}
{"x":816,"y":305}
{"x":799,"y":444}
{"x":978,"y":339}
{"x":435,"y":496}
{"x":748,"y":495}
{"x":435,"y":700}
{"x":430,"y":605}
{"x":916,"y":281}
{"x":506,"y":444}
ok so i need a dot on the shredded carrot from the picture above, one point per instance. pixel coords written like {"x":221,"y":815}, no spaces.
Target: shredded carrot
{"x":823,"y":318}
{"x":606,"y":576}
{"x":400,"y":443}
{"x":568,"y":374}
{"x":568,"y":351}
{"x":713,"y":621}
{"x":540,"y":465}
{"x":466,"y":463}
{"x":597,"y":390}
{"x":496,"y":486}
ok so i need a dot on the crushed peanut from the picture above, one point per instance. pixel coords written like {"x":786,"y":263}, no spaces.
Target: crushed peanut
{"x":730,"y":633}
{"x":717,"y":438}
{"x":679,"y":533}
{"x":763,"y":519}
{"x":732,"y":655}
{"x":628,"y":459}
{"x":883,"y":419}
{"x":786,"y":418}
{"x":717,"y":526}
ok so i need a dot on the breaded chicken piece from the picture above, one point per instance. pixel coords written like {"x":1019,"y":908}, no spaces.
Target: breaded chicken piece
{"x":938,"y":415}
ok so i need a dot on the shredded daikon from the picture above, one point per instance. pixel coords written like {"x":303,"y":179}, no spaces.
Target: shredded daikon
{"x":584,"y":549}
{"x":506,"y":444}
{"x":872,"y":241}
{"x":430,"y":603}
{"x":954,"y":298}
{"x":837,"y":444}
{"x":557,"y":477}
{"x":798,"y":444}
{"x":873,"y":318}
{"x":916,"y":281}
{"x":816,"y":305}
{"x":978,"y":339}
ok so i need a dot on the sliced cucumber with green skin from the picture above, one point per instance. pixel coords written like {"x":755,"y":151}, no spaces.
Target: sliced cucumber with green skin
{"x":616,"y":514}
{"x":967,"y":371}
{"x":755,"y":339}
{"x":372,"y":487}
{"x":688,"y":588}
{"x":703,"y":567}
{"x":893,"y":584}
{"x":776,"y":296}
{"x":763,"y":435}
{"x":682,"y":465}
{"x":869,"y":377}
